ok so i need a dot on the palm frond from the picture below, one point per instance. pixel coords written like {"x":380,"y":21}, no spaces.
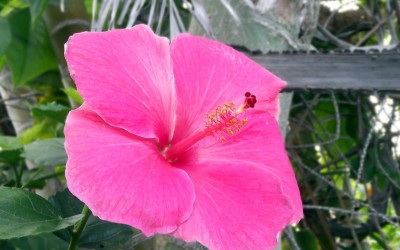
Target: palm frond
{"x":109,"y":14}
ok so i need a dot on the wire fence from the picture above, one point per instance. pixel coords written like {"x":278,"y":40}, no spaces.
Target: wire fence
{"x":344,"y":147}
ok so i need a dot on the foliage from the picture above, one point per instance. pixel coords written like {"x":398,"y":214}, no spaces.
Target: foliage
{"x":348,"y":168}
{"x":23,"y":213}
{"x":344,"y":146}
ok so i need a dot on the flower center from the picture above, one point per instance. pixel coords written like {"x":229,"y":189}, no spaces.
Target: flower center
{"x":222,"y":122}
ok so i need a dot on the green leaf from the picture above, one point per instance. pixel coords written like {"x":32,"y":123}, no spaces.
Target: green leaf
{"x":10,"y":149}
{"x":36,"y":8}
{"x":9,"y":142}
{"x":5,"y":38}
{"x":54,"y":111}
{"x":30,"y":53}
{"x":2,"y":61}
{"x":39,"y":242}
{"x":48,"y":152}
{"x":264,"y":29}
{"x":100,"y":234}
{"x":36,"y":178}
{"x":68,"y":204}
{"x":38,"y":131}
{"x":97,"y":234}
{"x":11,"y":6}
{"x":306,"y":240}
{"x":73,"y":93}
{"x":11,"y":157}
{"x":23,"y":213}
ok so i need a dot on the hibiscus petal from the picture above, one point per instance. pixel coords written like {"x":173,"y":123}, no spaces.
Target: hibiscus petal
{"x":126,"y":77}
{"x":123,"y":178}
{"x":237,"y":207}
{"x":259,"y":143}
{"x":209,"y":73}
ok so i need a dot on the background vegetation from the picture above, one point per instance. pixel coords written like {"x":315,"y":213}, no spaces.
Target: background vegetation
{"x":343,"y":145}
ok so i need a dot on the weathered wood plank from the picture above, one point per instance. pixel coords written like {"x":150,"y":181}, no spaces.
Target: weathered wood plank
{"x":363,"y":71}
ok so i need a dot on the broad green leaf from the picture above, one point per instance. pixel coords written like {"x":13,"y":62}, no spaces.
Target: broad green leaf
{"x":68,"y":204}
{"x":306,"y":240}
{"x":11,"y":6}
{"x":30,"y":53}
{"x":39,"y":242}
{"x":52,"y":111}
{"x":89,"y":8}
{"x":383,"y":171}
{"x":381,"y":180}
{"x":11,"y":157}
{"x":100,"y":234}
{"x":48,"y":152}
{"x":38,"y":131}
{"x":9,"y":142}
{"x":97,"y":234}
{"x":275,"y":28}
{"x":23,"y":213}
{"x":10,"y":149}
{"x":36,"y":8}
{"x":2,"y":61}
{"x":36,"y":178}
{"x":73,"y":93}
{"x":5,"y":38}
{"x":48,"y":84}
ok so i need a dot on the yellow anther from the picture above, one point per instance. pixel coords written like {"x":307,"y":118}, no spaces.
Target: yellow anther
{"x":224,"y":121}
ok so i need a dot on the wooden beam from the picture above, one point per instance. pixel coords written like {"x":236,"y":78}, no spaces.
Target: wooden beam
{"x":357,"y":71}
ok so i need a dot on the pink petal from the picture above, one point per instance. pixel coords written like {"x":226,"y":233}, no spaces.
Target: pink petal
{"x":259,"y":144}
{"x":125,"y":76}
{"x":209,"y":73}
{"x":123,"y":178}
{"x":237,"y":206}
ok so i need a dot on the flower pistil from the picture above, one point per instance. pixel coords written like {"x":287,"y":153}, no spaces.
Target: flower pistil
{"x":225,"y":120}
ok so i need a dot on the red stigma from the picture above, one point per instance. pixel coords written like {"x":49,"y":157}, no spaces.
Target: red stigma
{"x":250,"y":100}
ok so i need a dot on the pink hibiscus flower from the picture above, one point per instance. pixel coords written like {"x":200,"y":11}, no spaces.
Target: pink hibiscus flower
{"x":167,"y":140}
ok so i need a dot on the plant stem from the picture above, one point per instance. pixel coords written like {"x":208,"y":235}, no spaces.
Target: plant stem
{"x":78,"y":228}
